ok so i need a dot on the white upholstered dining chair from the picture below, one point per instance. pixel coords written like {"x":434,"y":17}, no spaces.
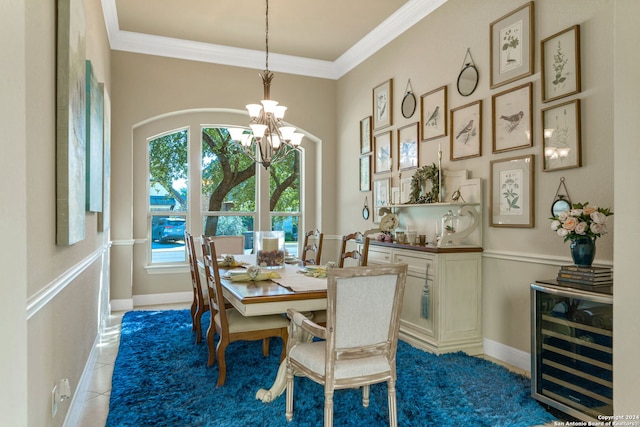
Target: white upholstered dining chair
{"x":360,"y":338}
{"x":229,"y":245}
{"x":229,"y":323}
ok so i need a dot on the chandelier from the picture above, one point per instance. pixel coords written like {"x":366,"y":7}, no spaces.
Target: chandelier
{"x":268,"y":135}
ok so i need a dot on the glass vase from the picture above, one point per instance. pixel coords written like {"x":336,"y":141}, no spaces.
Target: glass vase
{"x":270,"y":249}
{"x":583,"y":251}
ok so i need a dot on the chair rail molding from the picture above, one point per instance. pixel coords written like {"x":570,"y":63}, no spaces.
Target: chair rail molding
{"x":49,"y":292}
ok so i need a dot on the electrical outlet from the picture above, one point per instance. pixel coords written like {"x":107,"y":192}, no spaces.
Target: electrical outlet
{"x":54,"y":402}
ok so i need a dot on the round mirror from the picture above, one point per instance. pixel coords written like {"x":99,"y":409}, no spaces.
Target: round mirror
{"x":468,"y":80}
{"x":560,"y":205}
{"x":408,"y":105}
{"x":365,"y":212}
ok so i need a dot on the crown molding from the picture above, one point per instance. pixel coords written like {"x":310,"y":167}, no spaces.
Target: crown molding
{"x":397,"y":23}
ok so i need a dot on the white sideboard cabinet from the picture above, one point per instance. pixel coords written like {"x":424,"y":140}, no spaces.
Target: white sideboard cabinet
{"x":441,"y":310}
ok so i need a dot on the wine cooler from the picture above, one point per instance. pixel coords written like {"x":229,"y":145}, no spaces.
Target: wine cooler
{"x":571,"y":349}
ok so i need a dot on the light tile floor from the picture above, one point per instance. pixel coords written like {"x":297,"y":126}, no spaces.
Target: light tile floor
{"x":96,"y":399}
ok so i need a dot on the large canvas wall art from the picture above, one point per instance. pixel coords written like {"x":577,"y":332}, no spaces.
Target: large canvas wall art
{"x":95,"y":138}
{"x":71,"y":126}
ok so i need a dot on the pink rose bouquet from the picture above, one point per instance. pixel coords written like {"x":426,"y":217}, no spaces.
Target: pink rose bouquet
{"x":581,"y":221}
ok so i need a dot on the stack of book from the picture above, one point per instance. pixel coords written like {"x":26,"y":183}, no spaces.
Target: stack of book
{"x":587,"y":277}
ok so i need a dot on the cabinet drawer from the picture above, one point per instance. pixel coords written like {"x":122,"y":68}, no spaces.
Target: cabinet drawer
{"x":416,"y":263}
{"x":378,"y":257}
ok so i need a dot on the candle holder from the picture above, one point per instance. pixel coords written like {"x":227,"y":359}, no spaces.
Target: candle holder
{"x":270,"y":249}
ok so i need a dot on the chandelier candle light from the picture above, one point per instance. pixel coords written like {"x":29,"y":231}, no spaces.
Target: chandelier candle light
{"x":268,"y":133}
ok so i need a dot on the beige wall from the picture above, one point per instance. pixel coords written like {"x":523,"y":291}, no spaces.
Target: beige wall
{"x":62,"y":283}
{"x":154,"y":95}
{"x":627,"y":205}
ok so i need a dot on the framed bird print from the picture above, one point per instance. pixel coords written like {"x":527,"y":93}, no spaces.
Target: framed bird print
{"x":365,"y":173}
{"x":512,"y":122}
{"x":560,"y":63}
{"x":466,"y":131}
{"x":511,"y":46}
{"x":561,"y":147}
{"x":383,"y":105}
{"x":433,"y":110}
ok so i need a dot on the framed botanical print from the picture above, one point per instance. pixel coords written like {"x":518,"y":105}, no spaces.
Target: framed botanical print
{"x":512,"y":121}
{"x":382,"y":152}
{"x":560,"y":63}
{"x":365,"y":173}
{"x":381,"y":188}
{"x":408,"y":147}
{"x":511,"y":197}
{"x":512,"y":46}
{"x":466,"y":131}
{"x":365,"y":135}
{"x":433,"y":110}
{"x":383,"y":105}
{"x":561,"y":146}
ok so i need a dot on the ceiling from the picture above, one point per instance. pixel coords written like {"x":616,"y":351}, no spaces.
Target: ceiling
{"x":315,"y":38}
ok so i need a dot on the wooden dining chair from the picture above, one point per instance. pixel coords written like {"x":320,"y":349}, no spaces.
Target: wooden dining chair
{"x":229,"y":245}
{"x":312,"y":246}
{"x":200,"y":304}
{"x":355,"y":254}
{"x":357,"y":348}
{"x":229,"y":323}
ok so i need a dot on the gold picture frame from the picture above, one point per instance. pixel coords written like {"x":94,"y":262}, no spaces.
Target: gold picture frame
{"x":512,"y":46}
{"x":383,"y":105}
{"x":511,"y":195}
{"x":560,"y":64}
{"x":465,"y":135}
{"x":512,"y":121}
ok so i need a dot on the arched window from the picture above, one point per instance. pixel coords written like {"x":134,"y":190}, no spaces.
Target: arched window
{"x":236,"y":197}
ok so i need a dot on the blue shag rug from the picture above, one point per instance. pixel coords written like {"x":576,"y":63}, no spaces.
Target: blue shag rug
{"x":161,"y":379}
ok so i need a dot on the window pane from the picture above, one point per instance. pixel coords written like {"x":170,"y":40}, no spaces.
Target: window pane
{"x":168,"y":172}
{"x":284,"y":184}
{"x":288,"y":224}
{"x":167,"y":239}
{"x":228,"y":176}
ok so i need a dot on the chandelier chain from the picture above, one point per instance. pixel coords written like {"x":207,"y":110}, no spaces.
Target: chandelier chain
{"x":266,"y":37}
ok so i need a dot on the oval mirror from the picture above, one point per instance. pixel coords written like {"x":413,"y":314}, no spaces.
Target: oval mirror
{"x":408,"y":105}
{"x":365,"y":212}
{"x":560,"y":205}
{"x":468,"y":80}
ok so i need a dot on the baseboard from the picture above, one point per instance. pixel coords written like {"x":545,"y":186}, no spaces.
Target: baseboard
{"x":168,"y":298}
{"x":121,"y":304}
{"x":79,"y":397}
{"x":514,"y":357}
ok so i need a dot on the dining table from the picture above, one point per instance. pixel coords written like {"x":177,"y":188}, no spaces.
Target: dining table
{"x":291,"y":286}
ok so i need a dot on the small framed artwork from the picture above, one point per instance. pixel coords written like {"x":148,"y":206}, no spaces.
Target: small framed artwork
{"x":511,"y":201}
{"x":365,"y":173}
{"x":408,"y":148}
{"x":561,"y":146}
{"x":560,"y":64}
{"x":365,"y":135}
{"x":395,"y":195}
{"x":405,"y":190}
{"x":383,"y":105}
{"x":381,"y":188}
{"x":512,"y":46}
{"x":382,"y":147}
{"x":433,"y":110}
{"x":466,"y":131}
{"x":512,"y":120}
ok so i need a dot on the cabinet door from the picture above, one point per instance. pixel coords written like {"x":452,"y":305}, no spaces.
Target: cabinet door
{"x":418,"y":307}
